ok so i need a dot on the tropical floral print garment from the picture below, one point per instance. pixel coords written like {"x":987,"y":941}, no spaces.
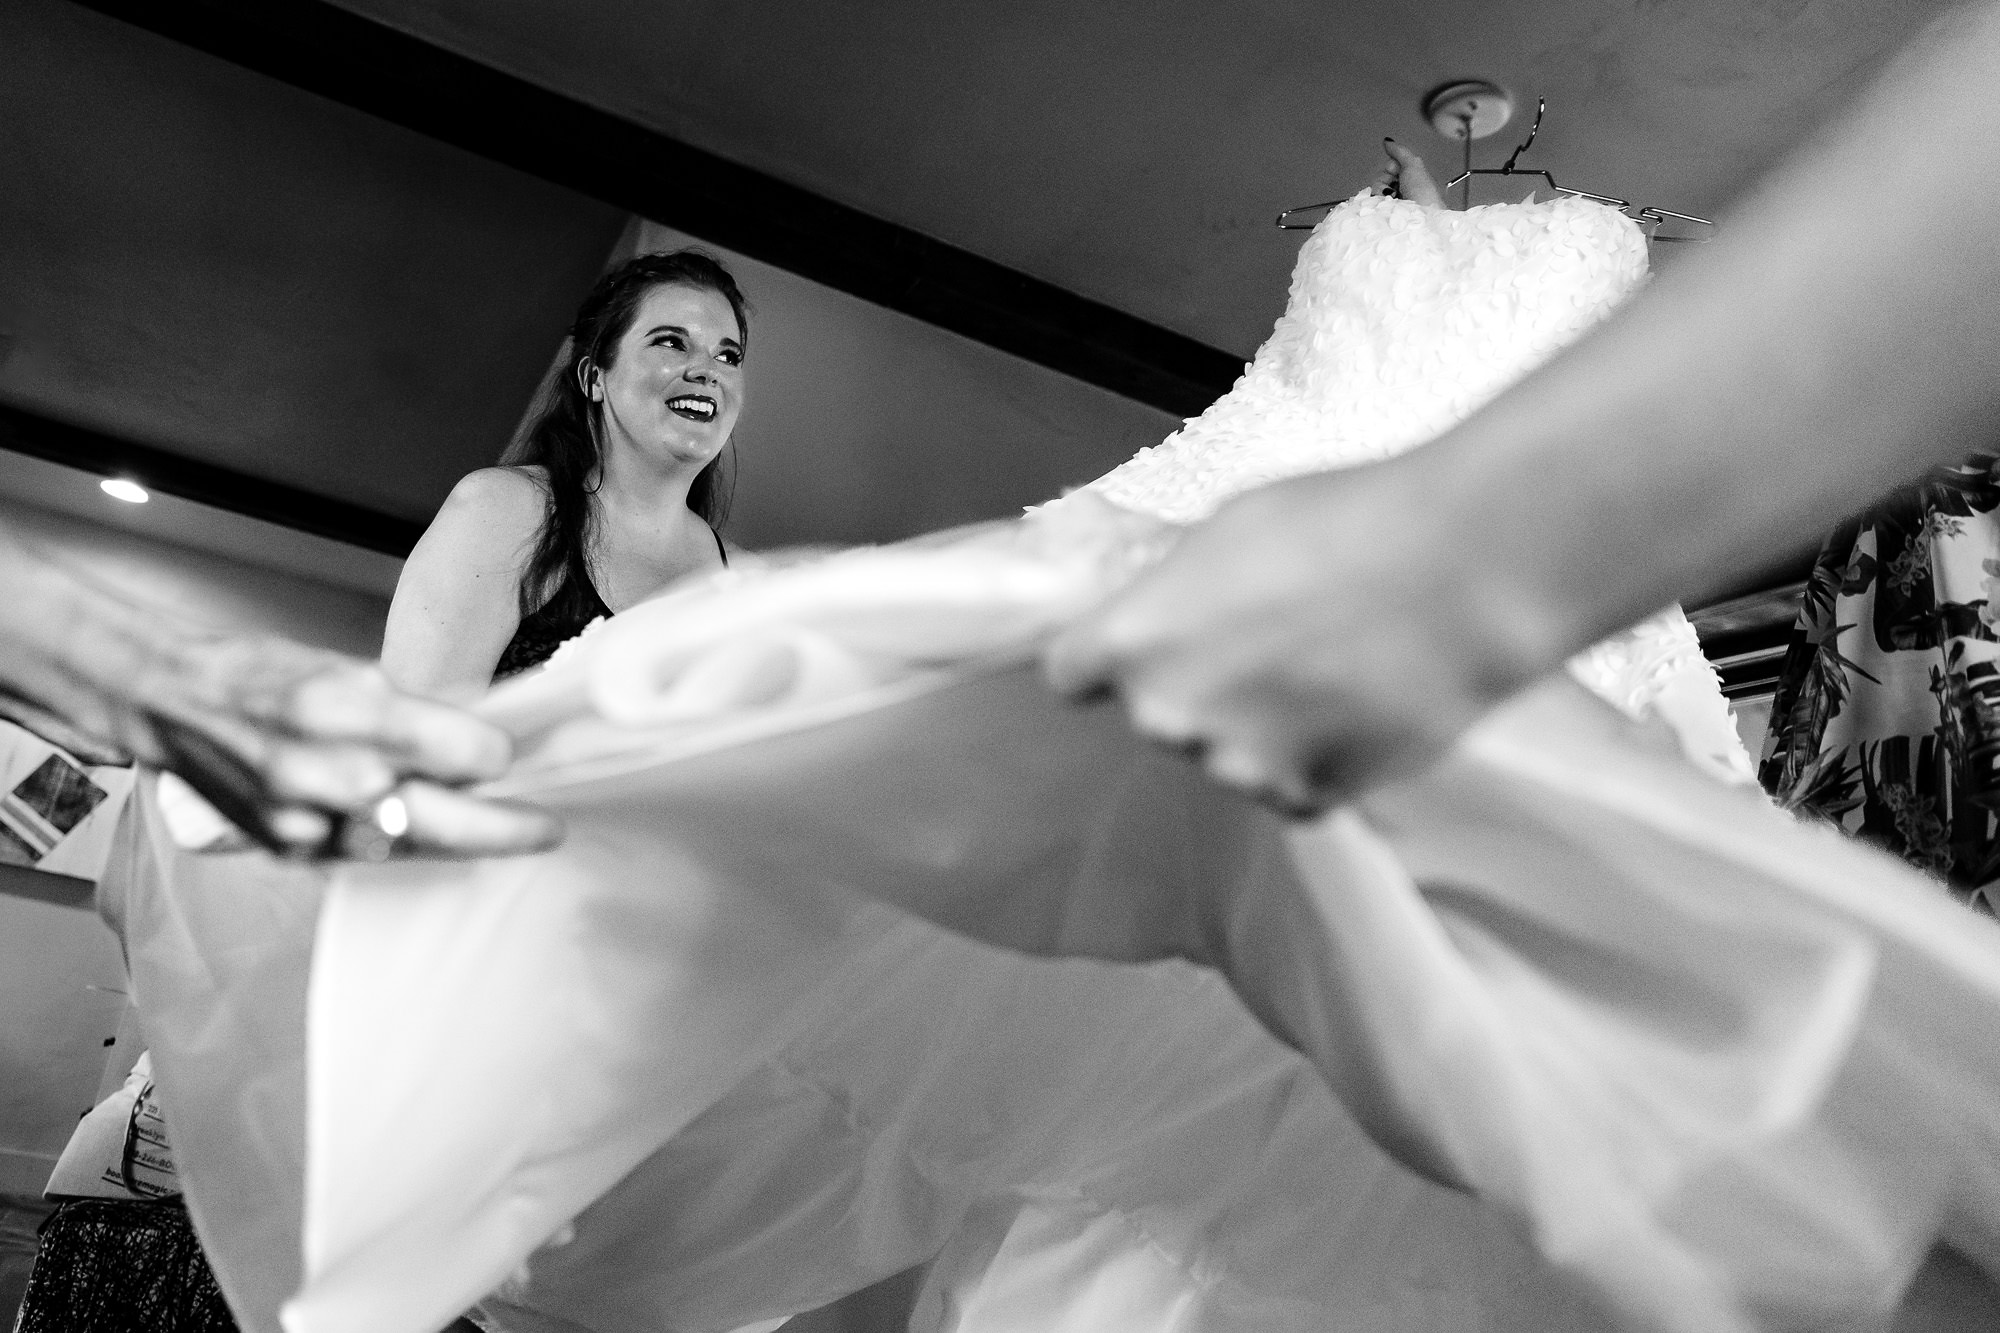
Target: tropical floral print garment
{"x":1887,"y":716}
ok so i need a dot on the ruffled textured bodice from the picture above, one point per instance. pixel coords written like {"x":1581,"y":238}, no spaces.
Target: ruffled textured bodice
{"x":1402,"y":320}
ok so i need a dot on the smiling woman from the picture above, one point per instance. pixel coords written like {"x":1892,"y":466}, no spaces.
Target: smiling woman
{"x":613,"y":494}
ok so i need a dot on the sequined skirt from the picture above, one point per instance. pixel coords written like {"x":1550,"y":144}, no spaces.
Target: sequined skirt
{"x":109,"y":1265}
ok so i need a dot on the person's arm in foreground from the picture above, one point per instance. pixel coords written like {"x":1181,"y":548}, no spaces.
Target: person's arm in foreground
{"x":285,"y":740}
{"x":1841,"y":334}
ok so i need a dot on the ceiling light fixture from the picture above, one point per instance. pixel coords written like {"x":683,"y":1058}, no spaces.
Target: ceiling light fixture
{"x":1464,"y":110}
{"x":123,"y":488}
{"x":1467,"y":109}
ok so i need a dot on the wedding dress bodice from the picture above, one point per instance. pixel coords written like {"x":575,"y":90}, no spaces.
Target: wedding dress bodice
{"x":1402,"y":320}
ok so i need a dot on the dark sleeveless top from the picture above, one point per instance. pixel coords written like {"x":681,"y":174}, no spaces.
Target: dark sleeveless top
{"x":545,"y":629}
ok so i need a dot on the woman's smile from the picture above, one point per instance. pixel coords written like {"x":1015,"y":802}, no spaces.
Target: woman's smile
{"x":693,"y":406}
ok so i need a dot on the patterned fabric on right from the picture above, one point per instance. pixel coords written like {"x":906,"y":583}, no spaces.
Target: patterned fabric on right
{"x":1886,"y":721}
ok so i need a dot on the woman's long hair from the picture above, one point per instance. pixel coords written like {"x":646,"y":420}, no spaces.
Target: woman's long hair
{"x":563,"y":440}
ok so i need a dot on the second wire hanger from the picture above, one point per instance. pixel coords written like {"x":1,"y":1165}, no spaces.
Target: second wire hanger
{"x":1650,"y":216}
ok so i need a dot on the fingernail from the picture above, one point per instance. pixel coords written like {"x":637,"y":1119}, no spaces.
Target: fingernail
{"x":300,"y":828}
{"x":1238,"y":769}
{"x":551,"y":835}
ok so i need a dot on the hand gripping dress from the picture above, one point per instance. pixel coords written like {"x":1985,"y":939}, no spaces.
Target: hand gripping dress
{"x":713,"y":1061}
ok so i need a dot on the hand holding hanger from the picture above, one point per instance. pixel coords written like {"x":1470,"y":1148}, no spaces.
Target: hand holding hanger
{"x":1406,"y":177}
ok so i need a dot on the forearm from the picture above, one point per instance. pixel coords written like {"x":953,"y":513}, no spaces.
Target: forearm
{"x":444,"y":652}
{"x":431,"y":666}
{"x":1837,"y":338}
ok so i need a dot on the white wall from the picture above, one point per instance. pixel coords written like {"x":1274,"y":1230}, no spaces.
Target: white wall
{"x":62,"y":995}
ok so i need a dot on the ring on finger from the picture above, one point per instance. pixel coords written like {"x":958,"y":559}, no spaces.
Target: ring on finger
{"x":372,"y":833}
{"x":1170,"y":729}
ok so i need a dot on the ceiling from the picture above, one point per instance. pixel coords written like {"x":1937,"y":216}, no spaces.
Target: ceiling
{"x":1135,"y":151}
{"x":208,"y":261}
{"x":198,"y":257}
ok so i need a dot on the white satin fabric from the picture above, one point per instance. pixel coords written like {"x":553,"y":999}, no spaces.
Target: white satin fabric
{"x":1724,"y":1068}
{"x":680,"y":1080}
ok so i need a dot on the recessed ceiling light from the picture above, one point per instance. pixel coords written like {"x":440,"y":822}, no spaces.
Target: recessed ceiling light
{"x":118,"y":488}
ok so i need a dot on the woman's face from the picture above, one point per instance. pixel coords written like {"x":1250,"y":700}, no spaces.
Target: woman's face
{"x":676,"y":384}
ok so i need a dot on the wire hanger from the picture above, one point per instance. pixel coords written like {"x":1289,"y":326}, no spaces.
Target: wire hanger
{"x":1649,"y":217}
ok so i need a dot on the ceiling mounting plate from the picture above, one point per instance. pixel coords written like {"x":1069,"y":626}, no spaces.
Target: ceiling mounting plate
{"x":1481,"y":104}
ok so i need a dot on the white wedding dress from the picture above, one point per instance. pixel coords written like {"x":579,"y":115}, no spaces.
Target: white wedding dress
{"x":691,"y":1072}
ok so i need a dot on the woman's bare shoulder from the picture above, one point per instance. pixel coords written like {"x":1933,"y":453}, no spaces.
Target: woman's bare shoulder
{"x":502,"y":493}
{"x":493,"y":513}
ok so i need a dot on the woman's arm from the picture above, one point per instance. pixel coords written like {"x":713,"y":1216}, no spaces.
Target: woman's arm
{"x":457,"y":603}
{"x":1841,"y":334}
{"x":284,"y":739}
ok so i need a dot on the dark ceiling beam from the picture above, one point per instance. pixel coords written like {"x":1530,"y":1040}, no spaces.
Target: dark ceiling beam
{"x":205,"y":483}
{"x":405,"y":80}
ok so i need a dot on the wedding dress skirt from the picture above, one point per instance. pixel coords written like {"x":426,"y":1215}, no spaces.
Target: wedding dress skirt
{"x":668,"y":1104}
{"x":688,"y":1071}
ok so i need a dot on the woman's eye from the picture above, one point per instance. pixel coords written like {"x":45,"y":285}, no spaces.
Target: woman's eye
{"x":731,"y":358}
